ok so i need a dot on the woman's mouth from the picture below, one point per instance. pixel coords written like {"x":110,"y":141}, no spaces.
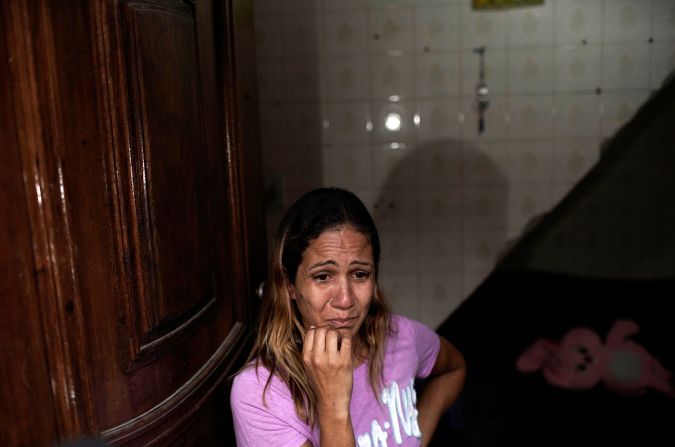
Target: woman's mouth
{"x":342,"y":322}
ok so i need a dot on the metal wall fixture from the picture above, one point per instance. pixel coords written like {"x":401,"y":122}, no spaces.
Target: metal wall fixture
{"x":482,"y":100}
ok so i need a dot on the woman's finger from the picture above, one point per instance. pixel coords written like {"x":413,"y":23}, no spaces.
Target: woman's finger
{"x":319,"y":341}
{"x":308,"y":343}
{"x":332,"y":343}
{"x":346,"y":347}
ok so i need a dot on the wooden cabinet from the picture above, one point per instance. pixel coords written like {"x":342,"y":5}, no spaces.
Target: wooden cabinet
{"x":131,"y":218}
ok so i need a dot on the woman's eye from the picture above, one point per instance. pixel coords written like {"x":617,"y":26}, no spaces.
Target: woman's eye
{"x":321,"y":277}
{"x":361,"y":275}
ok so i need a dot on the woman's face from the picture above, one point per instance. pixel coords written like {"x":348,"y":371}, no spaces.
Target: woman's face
{"x":336,"y":280}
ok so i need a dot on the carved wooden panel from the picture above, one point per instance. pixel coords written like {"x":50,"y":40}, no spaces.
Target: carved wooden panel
{"x":130,"y":195}
{"x":170,"y":220}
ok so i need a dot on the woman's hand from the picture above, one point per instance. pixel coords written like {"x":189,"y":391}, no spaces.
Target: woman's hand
{"x":332,"y":373}
{"x":330,"y":368}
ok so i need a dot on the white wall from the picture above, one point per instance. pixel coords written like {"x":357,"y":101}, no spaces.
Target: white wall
{"x":562,"y":77}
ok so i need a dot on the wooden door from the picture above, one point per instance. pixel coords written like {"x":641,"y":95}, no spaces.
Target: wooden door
{"x":131,"y":221}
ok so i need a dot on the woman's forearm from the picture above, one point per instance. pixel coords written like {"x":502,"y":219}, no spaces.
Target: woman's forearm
{"x":438,"y":395}
{"x":441,"y":390}
{"x":336,"y":429}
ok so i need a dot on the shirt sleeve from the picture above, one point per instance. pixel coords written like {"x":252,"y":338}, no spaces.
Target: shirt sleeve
{"x":258,"y":424}
{"x":427,"y":345}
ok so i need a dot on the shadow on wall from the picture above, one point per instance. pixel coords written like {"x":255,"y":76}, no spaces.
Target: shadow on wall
{"x":442,"y":214}
{"x":289,"y":86}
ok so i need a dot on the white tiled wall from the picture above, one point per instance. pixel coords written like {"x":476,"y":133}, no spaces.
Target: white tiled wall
{"x":563,"y":76}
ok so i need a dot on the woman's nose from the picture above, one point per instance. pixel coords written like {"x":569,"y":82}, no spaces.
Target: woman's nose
{"x":343,"y":298}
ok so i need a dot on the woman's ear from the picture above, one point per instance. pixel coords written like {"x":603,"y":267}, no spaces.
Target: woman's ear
{"x":376,"y":292}
{"x":291,"y":290}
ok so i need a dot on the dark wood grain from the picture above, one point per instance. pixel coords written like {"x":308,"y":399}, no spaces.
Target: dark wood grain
{"x":130,"y":194}
{"x":25,"y":375}
{"x":33,"y":74}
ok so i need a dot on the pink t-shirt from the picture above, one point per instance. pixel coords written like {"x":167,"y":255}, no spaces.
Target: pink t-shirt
{"x":391,"y":420}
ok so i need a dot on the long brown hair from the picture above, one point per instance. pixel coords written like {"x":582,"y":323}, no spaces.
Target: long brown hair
{"x":278,"y":345}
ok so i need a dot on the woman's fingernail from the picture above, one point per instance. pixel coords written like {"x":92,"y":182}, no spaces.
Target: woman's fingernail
{"x":311,"y":326}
